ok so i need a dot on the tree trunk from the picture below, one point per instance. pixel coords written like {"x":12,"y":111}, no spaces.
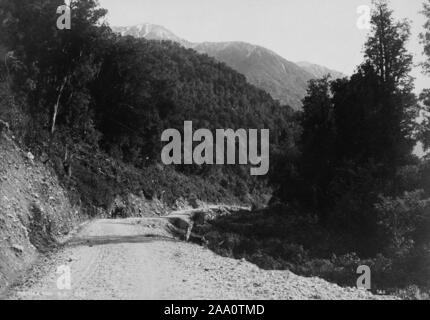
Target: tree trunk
{"x":54,"y":117}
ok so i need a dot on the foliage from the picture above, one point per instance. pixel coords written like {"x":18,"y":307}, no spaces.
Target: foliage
{"x":154,"y":86}
{"x":55,"y":66}
{"x":356,"y":135}
{"x":343,"y":170}
{"x":425,"y":36}
{"x":89,"y":86}
{"x":403,"y":220}
{"x":279,"y":238}
{"x":424,"y":130}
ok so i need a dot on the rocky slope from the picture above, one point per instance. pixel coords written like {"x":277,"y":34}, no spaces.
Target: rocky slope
{"x":283,"y":79}
{"x":34,"y":210}
{"x":150,"y":32}
{"x":318,"y":71}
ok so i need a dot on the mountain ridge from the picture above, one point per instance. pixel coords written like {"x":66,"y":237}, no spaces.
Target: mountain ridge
{"x":284,"y":80}
{"x":319,"y":71}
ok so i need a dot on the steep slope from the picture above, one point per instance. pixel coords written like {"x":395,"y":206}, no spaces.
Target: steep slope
{"x":169,"y":84}
{"x":150,"y":32}
{"x":282,"y":79}
{"x":318,"y":71}
{"x":34,"y":210}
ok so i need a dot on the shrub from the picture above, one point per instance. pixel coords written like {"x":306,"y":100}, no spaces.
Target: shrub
{"x":401,"y":219}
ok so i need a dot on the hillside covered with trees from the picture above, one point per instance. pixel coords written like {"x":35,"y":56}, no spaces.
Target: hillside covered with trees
{"x":91,"y":86}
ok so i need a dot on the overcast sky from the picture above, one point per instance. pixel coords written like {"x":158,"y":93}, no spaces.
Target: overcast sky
{"x":319,"y":31}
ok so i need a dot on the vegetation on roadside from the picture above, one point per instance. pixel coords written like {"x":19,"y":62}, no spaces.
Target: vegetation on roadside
{"x":280,"y":238}
{"x":353,"y":182}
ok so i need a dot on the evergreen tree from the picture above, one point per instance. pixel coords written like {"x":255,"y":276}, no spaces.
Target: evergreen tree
{"x":385,"y":48}
{"x":395,"y":107}
{"x":425,"y":37}
{"x":357,"y":134}
{"x":317,"y":143}
{"x":425,"y":95}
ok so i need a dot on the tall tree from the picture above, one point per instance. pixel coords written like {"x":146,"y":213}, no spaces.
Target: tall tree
{"x":317,"y":142}
{"x":57,"y":64}
{"x":425,"y":95}
{"x":386,"y":49}
{"x":396,"y":106}
{"x":425,"y":37}
{"x":357,"y":133}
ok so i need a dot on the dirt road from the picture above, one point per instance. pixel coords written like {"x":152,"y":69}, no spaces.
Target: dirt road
{"x":138,"y":259}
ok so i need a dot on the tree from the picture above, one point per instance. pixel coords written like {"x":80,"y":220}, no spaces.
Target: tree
{"x":357,"y":133}
{"x":425,"y":95}
{"x":425,"y":37}
{"x":58,"y":64}
{"x":385,"y":48}
{"x":317,"y":142}
{"x":397,"y":108}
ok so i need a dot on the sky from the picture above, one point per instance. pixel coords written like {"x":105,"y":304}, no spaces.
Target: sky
{"x":319,"y":31}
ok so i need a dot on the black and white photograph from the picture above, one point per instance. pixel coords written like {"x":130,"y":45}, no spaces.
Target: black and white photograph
{"x":235,"y":151}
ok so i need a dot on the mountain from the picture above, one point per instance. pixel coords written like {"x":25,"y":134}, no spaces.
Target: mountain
{"x":318,"y":71}
{"x":150,"y":32}
{"x":284,"y":80}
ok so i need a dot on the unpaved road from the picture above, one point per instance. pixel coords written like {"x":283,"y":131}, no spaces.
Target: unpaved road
{"x":138,"y":259}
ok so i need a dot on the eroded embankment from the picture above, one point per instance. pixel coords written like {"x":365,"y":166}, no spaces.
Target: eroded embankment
{"x":34,"y":210}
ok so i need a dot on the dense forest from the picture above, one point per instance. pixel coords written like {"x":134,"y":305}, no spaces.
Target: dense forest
{"x":90,"y":85}
{"x":342,"y":169}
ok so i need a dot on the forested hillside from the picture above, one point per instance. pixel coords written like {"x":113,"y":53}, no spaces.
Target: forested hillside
{"x":90,"y":88}
{"x":284,"y":80}
{"x":158,"y":85}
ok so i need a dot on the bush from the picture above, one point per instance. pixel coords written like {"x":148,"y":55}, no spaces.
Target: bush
{"x":402,"y":220}
{"x":278,"y":238}
{"x":413,"y":293}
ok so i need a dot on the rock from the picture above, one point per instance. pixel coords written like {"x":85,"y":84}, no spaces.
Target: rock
{"x":30,"y":156}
